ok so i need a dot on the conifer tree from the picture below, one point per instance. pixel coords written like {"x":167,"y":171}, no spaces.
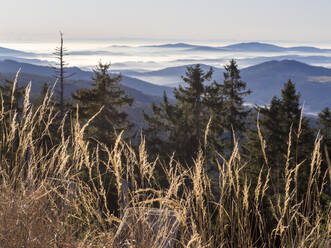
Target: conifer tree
{"x":105,"y":93}
{"x":12,"y":97}
{"x":276,"y":121}
{"x":291,"y":116}
{"x":161,"y":124}
{"x":106,"y":98}
{"x":233,"y":91}
{"x":324,"y":121}
{"x":213,"y":102}
{"x":269,"y":119}
{"x":191,"y":96}
{"x":290,"y":106}
{"x":178,"y":128}
{"x":61,"y":72}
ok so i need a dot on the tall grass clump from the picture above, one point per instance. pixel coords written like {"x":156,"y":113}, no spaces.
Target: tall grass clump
{"x":64,"y":191}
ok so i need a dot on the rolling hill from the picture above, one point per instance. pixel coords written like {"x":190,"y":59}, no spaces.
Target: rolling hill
{"x":13,"y":52}
{"x":266,"y":80}
{"x":254,"y":47}
{"x":10,"y":66}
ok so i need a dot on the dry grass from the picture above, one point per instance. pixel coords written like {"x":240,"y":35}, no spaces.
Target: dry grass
{"x":57,"y":196}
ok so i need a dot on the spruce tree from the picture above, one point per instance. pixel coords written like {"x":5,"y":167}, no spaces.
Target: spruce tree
{"x":324,"y":123}
{"x":213,"y":102}
{"x":292,"y":116}
{"x":276,"y":121}
{"x":12,"y":98}
{"x":161,"y":124}
{"x":106,"y":98}
{"x":61,"y":74}
{"x":191,"y":96}
{"x":281,"y":118}
{"x":233,"y":91}
{"x":105,"y":93}
{"x":269,"y":119}
{"x":180,"y":127}
{"x":290,"y":106}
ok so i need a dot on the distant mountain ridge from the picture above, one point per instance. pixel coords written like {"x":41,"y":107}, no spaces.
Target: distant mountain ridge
{"x":173,"y":45}
{"x":13,"y":52}
{"x":186,"y":47}
{"x":245,"y":46}
{"x":320,"y":60}
{"x":254,"y":46}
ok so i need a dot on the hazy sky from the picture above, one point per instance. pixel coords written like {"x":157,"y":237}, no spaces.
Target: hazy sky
{"x":246,"y":20}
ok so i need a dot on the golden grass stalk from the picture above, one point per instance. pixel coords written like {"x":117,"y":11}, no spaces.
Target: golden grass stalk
{"x":62,"y":191}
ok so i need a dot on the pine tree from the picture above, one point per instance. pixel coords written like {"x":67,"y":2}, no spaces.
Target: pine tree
{"x":324,"y":121}
{"x":281,"y":118}
{"x":107,"y":94}
{"x":214,"y":102}
{"x":276,"y":121}
{"x":163,"y":121}
{"x":268,"y":118}
{"x":191,"y":95}
{"x":290,"y":106}
{"x":12,"y":95}
{"x":179,"y":128}
{"x":61,"y":73}
{"x":233,"y":92}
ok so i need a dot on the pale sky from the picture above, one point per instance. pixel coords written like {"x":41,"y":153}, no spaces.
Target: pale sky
{"x":246,"y":20}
